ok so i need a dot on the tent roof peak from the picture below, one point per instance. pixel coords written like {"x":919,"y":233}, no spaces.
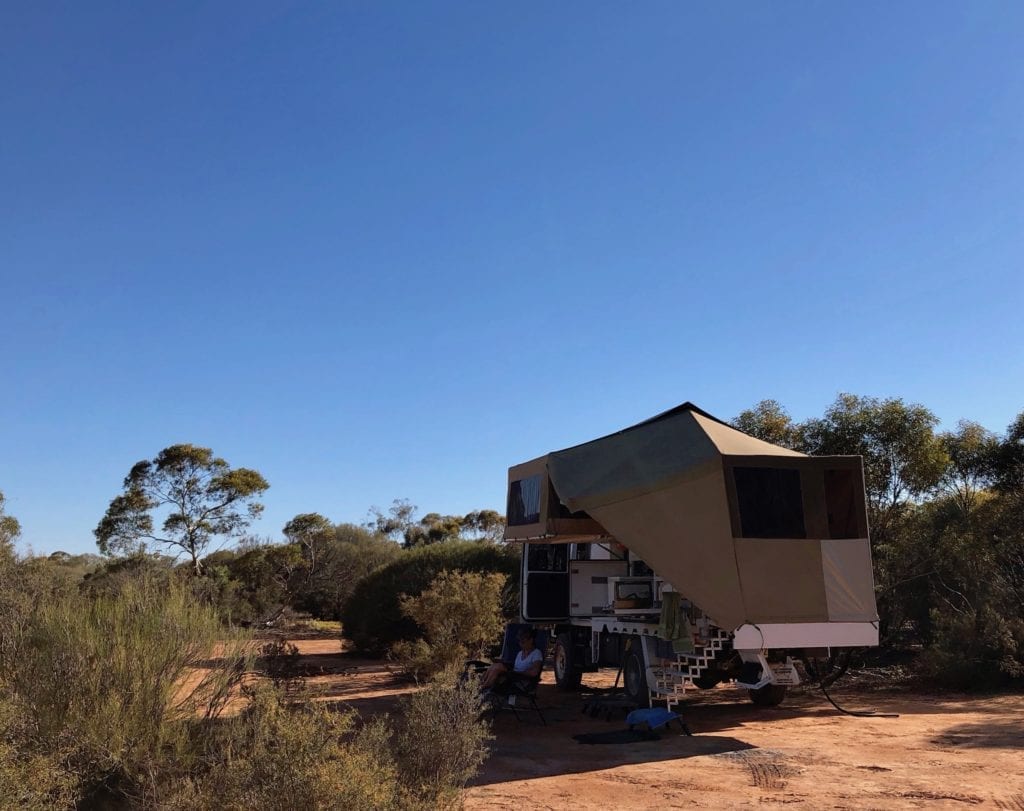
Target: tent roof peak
{"x":672,"y":412}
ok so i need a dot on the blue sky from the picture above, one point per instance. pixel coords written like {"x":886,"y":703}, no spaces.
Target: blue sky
{"x":387,"y":250}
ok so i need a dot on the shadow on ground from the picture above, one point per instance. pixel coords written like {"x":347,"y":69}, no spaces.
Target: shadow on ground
{"x":1002,"y":734}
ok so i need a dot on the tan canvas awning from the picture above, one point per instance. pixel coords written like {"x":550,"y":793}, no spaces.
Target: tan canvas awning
{"x":749,"y":531}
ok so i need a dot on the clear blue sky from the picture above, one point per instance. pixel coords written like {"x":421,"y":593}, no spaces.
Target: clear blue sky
{"x":386,"y":250}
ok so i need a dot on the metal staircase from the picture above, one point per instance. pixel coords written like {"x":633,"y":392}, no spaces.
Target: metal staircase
{"x":673,"y":681}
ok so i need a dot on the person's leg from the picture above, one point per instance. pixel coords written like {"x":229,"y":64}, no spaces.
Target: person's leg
{"x":492,"y":674}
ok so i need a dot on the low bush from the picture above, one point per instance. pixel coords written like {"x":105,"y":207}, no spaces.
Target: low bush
{"x":447,"y":714}
{"x":974,"y":650}
{"x":109,"y":684}
{"x":281,"y":754}
{"x":460,"y":614}
{"x":279,"y":661}
{"x":373,"y":616}
{"x":419,"y":660}
{"x":29,"y":778}
{"x":277,"y":754}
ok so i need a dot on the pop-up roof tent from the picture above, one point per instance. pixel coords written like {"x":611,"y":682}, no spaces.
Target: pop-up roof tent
{"x":749,"y":531}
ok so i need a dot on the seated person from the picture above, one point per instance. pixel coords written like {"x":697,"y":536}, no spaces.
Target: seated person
{"x":528,"y":662}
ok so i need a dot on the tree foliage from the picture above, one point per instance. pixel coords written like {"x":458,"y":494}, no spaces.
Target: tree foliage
{"x":203,"y":497}
{"x":10,"y":529}
{"x":972,"y":451}
{"x":313,"y":571}
{"x":1008,"y":467}
{"x":401,"y":525}
{"x":769,"y":421}
{"x":337,"y":562}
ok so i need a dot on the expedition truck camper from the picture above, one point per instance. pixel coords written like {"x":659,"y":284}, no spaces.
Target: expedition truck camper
{"x":688,"y":553}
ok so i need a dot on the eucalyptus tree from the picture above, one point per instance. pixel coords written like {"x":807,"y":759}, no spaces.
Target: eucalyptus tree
{"x":972,"y":451}
{"x":199,"y":497}
{"x":769,"y":421}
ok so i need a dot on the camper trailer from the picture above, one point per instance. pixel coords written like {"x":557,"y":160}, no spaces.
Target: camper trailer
{"x":688,"y":553}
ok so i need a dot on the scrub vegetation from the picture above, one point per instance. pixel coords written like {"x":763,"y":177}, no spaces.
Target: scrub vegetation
{"x":134,"y":679}
{"x":130,"y":682}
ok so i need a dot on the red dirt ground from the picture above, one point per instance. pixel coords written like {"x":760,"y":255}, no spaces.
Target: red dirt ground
{"x":944,"y":751}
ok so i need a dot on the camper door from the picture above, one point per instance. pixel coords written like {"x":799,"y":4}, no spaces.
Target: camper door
{"x":545,"y":582}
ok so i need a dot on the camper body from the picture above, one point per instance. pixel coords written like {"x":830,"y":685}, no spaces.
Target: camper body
{"x":760,"y":553}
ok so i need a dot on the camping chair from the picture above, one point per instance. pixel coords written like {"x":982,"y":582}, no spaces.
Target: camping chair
{"x":509,"y":649}
{"x":525,"y":687}
{"x":517,"y":692}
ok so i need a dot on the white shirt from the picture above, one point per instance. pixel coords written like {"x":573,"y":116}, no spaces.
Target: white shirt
{"x":525,"y":661}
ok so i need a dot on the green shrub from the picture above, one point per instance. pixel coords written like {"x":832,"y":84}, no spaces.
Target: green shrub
{"x":279,"y":661}
{"x":109,"y":578}
{"x":373,"y":616}
{"x":280,"y":754}
{"x":277,"y":754}
{"x":419,"y":660}
{"x":460,"y":614}
{"x":29,"y":778}
{"x":447,"y":714}
{"x":111,"y":683}
{"x":24,"y":585}
{"x":974,"y":650}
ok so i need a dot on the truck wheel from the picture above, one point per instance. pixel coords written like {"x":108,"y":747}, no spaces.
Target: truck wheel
{"x":708,"y":679}
{"x":770,"y":695}
{"x":634,"y":678}
{"x":567,"y":676}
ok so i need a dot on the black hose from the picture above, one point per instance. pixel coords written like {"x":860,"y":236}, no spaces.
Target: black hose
{"x":857,"y":713}
{"x":831,"y":678}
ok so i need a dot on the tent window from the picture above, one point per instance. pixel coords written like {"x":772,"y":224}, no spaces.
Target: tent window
{"x":524,"y":501}
{"x":841,"y":501}
{"x":770,"y":502}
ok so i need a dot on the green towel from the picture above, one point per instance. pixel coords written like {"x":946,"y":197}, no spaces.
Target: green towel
{"x":675,"y":625}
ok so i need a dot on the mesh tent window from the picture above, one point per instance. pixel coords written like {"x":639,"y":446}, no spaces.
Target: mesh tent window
{"x":770,"y":502}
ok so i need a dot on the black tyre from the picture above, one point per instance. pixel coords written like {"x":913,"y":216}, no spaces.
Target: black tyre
{"x":709,"y":679}
{"x":567,"y":675}
{"x":771,"y":695}
{"x":634,"y":678}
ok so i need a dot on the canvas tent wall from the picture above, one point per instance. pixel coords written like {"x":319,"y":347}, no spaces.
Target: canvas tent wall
{"x":749,"y":531}
{"x":534,"y":511}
